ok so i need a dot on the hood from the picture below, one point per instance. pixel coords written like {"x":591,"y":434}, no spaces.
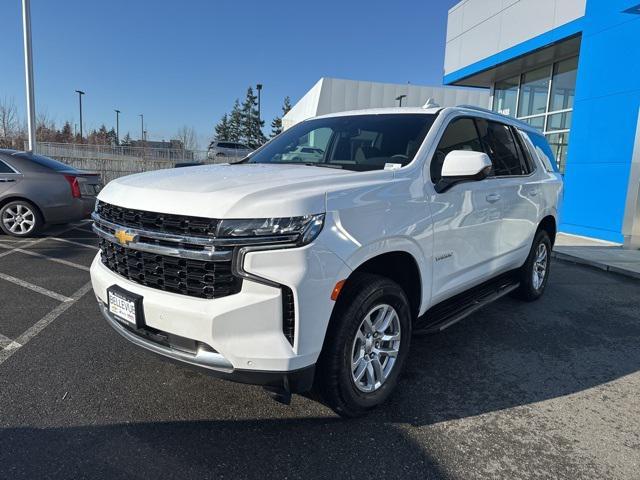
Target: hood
{"x":229,"y":191}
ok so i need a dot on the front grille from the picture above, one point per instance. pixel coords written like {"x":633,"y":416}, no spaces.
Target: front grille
{"x":195,"y":278}
{"x":158,"y":222}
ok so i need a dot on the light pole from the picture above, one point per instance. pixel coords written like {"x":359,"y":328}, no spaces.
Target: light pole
{"x":399,"y":99}
{"x":117,"y":126}
{"x":80,"y":93}
{"x":28,"y":71}
{"x":259,"y":88}
{"x":141,"y":115}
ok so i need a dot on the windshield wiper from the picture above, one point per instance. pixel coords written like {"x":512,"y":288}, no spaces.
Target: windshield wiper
{"x":325,"y":165}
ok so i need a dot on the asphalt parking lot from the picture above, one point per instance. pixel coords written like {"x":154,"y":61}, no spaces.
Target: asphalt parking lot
{"x":542,"y":390}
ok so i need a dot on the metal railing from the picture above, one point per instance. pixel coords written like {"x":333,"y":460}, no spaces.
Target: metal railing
{"x":116,"y":151}
{"x":117,"y":161}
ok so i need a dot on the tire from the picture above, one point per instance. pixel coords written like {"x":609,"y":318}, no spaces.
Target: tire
{"x":534,"y":274}
{"x":20,"y":218}
{"x":350,"y":337}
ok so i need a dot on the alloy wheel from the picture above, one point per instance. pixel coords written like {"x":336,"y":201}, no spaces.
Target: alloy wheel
{"x":19,"y":219}
{"x":375,"y":348}
{"x":540,"y":266}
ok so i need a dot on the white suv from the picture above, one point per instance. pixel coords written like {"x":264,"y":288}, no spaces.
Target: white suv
{"x":314,"y":276}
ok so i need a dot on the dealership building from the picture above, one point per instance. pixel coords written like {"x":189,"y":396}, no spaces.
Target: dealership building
{"x":570,"y":68}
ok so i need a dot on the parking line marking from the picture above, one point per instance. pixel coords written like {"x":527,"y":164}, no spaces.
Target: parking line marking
{"x":35,"y":288}
{"x":5,"y":342}
{"x":53,"y":259}
{"x":58,"y":239}
{"x":29,"y":243}
{"x":34,"y":330}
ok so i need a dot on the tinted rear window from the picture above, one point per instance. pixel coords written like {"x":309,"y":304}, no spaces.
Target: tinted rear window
{"x":46,"y":162}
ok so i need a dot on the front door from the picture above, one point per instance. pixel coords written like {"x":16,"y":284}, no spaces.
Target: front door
{"x":467,"y":219}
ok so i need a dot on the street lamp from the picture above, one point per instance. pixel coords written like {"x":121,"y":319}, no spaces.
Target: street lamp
{"x":399,"y":99}
{"x":28,"y":71}
{"x":141,"y":115}
{"x":117,"y":126}
{"x":80,"y":93}
{"x":259,"y":88}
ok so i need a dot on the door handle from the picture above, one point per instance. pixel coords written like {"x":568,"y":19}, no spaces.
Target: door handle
{"x":493,"y":197}
{"x":533,"y":193}
{"x":7,"y":180}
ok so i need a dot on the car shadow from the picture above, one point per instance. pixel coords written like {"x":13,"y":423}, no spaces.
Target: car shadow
{"x":269,"y":448}
{"x":583,"y":333}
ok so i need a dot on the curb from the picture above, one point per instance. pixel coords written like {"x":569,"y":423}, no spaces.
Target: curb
{"x":599,"y":265}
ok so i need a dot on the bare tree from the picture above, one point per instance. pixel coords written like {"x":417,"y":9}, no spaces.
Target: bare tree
{"x":9,"y":121}
{"x":187,"y":135}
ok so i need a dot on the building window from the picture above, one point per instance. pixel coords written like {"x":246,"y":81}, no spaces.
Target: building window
{"x":505,"y":95}
{"x":533,"y":92}
{"x":563,"y":84}
{"x":559,"y":143}
{"x":543,"y":98}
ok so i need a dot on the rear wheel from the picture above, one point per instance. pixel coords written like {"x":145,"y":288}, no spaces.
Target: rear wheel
{"x":366,"y":345}
{"x":20,"y":219}
{"x":534,"y":274}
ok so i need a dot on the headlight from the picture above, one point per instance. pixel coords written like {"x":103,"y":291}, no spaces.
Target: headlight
{"x":302,"y":230}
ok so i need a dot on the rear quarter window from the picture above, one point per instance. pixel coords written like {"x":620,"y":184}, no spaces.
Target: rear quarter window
{"x":543,"y":151}
{"x":5,"y":168}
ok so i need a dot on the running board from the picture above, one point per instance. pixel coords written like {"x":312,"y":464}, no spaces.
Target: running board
{"x":451,"y":311}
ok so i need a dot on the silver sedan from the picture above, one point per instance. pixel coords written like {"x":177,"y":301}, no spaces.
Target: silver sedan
{"x":35,"y":190}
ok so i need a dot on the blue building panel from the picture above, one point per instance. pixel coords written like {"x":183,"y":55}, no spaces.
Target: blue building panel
{"x":605,"y":112}
{"x":605,"y":119}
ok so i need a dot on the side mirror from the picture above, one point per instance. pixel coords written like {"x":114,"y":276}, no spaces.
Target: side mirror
{"x":463,"y":166}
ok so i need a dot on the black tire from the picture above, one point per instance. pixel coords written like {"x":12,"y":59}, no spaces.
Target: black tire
{"x":334,"y":382}
{"x":528,"y":289}
{"x":33,"y":215}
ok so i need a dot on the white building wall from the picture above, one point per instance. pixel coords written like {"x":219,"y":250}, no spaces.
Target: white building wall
{"x":477,"y":29}
{"x":331,"y":95}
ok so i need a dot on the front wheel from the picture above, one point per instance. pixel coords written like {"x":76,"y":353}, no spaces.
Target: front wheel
{"x":534,"y":274}
{"x":366,"y":345}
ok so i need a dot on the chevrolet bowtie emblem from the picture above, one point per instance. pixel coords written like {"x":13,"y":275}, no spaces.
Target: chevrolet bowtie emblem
{"x":124,"y":237}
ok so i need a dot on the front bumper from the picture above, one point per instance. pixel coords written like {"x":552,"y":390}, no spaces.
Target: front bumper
{"x":214,"y":363}
{"x":245,"y":329}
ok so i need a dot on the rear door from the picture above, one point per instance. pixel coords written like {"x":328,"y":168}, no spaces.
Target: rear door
{"x":513,"y":174}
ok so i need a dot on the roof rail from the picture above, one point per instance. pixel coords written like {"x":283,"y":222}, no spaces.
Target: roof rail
{"x":481,"y":109}
{"x":488,"y":110}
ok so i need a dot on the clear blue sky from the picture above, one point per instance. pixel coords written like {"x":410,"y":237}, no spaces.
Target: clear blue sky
{"x":185,"y":62}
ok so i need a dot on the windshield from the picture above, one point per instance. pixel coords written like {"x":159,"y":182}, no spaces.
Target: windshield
{"x":358,"y":142}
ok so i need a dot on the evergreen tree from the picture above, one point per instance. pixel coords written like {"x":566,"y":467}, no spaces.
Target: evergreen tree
{"x":286,"y":105}
{"x":66,"y":134}
{"x":223,"y":129}
{"x":251,"y":126}
{"x":112,"y":138}
{"x":235,"y":123}
{"x":276,"y":124}
{"x":126,"y":141}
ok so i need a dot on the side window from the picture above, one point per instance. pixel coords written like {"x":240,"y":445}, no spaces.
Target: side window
{"x":4,"y":168}
{"x":544,"y":152}
{"x":526,"y":150}
{"x":460,"y":134}
{"x":501,"y":147}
